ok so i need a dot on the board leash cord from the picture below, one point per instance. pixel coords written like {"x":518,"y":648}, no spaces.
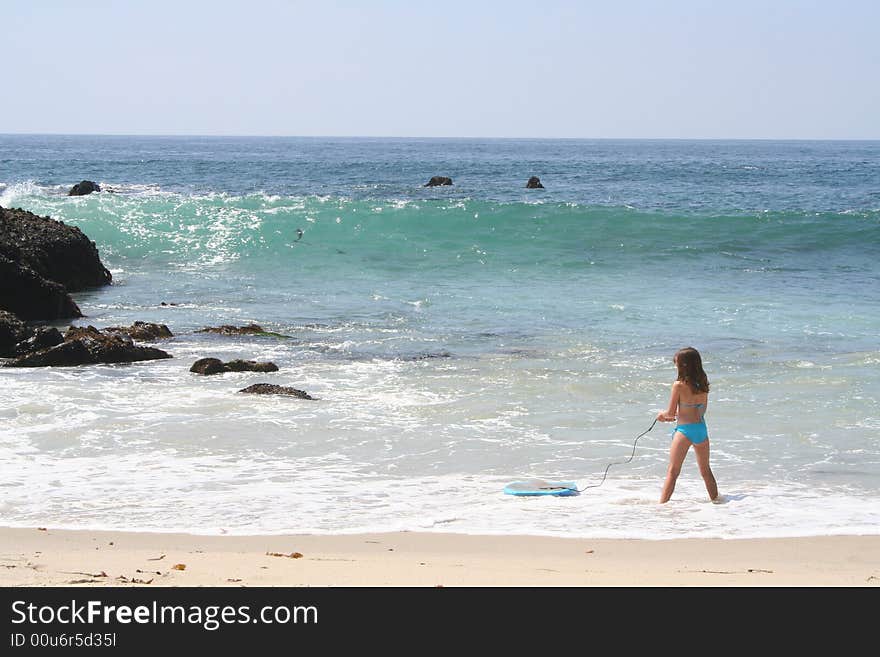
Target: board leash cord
{"x":581,"y":490}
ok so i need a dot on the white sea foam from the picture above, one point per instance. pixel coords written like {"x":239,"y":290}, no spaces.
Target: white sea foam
{"x":13,"y":194}
{"x":213,"y":494}
{"x":389,"y":445}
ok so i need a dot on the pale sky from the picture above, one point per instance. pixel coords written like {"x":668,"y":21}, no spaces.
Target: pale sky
{"x":763,"y":69}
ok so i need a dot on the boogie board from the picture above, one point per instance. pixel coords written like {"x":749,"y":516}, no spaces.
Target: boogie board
{"x":541,"y":487}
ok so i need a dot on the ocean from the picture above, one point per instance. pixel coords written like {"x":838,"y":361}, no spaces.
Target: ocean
{"x":457,"y":338}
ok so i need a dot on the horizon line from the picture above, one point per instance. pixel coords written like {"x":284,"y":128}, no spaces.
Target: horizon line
{"x":437,"y":137}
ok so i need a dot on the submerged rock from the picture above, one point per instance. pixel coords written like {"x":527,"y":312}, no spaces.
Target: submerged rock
{"x":270,"y":389}
{"x":208,"y":366}
{"x":426,"y":355}
{"x":83,"y":188}
{"x":534,"y":183}
{"x":437,"y":181}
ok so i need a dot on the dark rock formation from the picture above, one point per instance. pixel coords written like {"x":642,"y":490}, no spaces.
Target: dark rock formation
{"x":12,"y":331}
{"x":250,"y":329}
{"x":534,"y":183}
{"x":117,"y":349}
{"x":209,"y":366}
{"x":85,"y":346}
{"x":83,"y":188}
{"x":270,"y":389}
{"x":436,"y":181}
{"x":250,"y":366}
{"x":41,"y":260}
{"x":78,"y":332}
{"x":66,"y":354}
{"x":43,"y":338}
{"x":142,"y":331}
{"x":112,"y":348}
{"x":226,"y":329}
{"x":30,"y":296}
{"x":53,"y":249}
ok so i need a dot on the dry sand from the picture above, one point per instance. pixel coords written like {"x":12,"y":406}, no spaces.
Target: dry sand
{"x":49,"y":557}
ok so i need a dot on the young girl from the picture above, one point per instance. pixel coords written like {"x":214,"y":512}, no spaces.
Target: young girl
{"x":687,"y":406}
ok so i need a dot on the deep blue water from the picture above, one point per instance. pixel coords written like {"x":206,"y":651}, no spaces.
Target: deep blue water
{"x":674,"y":175}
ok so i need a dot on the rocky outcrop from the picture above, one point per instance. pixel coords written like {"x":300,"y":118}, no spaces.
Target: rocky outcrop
{"x":227,"y":329}
{"x":250,"y":366}
{"x":30,"y":296}
{"x":116,"y":343}
{"x":66,"y":354}
{"x":43,"y":338}
{"x":270,"y":389}
{"x":53,"y":249}
{"x":12,"y":331}
{"x":118,"y":349}
{"x":85,"y":346}
{"x":83,"y":188}
{"x":437,"y":181}
{"x":41,"y":261}
{"x":112,"y":348}
{"x":534,"y":183}
{"x":145,"y":331}
{"x":208,"y":366}
{"x":249,"y":329}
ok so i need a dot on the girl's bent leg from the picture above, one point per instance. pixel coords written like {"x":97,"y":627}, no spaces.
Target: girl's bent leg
{"x":702,"y":452}
{"x":677,"y":451}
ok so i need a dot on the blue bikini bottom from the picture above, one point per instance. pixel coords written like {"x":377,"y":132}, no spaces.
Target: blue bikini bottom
{"x":696,"y":432}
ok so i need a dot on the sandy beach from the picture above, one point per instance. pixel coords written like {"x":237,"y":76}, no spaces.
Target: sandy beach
{"x":49,"y":557}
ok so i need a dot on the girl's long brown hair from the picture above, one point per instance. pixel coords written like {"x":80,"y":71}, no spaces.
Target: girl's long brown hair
{"x":690,"y":369}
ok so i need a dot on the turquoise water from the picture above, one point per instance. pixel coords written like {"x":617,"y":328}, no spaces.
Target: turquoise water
{"x":458,"y":338}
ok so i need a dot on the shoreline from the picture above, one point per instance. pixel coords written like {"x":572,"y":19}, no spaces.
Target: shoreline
{"x":32,"y":557}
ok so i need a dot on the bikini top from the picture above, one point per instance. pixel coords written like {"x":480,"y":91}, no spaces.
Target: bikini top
{"x":703,"y":405}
